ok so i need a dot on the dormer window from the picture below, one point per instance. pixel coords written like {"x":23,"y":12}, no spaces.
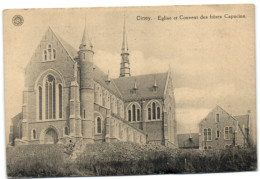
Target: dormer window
{"x":49,"y":54}
{"x":155,"y":86}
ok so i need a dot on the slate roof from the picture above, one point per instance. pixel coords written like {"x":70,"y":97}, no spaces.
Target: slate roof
{"x":144,"y":84}
{"x":184,"y":140}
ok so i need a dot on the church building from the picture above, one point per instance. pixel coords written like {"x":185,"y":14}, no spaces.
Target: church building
{"x":68,"y":98}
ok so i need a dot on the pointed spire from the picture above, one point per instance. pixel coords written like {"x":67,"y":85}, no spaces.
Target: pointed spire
{"x":85,"y":42}
{"x":124,"y":44}
{"x":108,"y":77}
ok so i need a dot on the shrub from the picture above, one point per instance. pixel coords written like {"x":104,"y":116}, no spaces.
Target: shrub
{"x":121,"y":158}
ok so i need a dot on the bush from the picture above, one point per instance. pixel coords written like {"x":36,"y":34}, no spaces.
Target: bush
{"x":36,"y":161}
{"x":121,"y":158}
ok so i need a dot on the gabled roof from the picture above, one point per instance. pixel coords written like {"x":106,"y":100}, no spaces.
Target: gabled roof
{"x":189,"y":140}
{"x":242,"y":120}
{"x":144,"y":84}
{"x":70,"y":50}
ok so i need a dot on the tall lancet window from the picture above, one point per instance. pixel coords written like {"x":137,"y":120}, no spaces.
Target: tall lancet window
{"x":60,"y":101}
{"x":40,"y":103}
{"x":154,"y":110}
{"x":49,"y":52}
{"x":50,"y":107}
{"x":154,"y":113}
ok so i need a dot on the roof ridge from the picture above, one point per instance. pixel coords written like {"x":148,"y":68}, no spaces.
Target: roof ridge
{"x":117,"y":88}
{"x":141,"y":75}
{"x":226,"y":112}
{"x":60,"y":40}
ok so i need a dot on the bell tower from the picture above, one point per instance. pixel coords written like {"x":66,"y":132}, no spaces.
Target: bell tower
{"x":124,"y":65}
{"x":86,"y":86}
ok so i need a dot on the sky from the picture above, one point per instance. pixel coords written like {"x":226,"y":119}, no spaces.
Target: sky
{"x":212,"y":60}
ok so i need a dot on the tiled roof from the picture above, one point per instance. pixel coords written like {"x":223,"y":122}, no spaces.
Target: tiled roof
{"x":242,"y":120}
{"x":144,"y":84}
{"x":190,"y":140}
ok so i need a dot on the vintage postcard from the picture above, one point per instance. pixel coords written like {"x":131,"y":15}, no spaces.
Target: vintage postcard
{"x":130,"y":90}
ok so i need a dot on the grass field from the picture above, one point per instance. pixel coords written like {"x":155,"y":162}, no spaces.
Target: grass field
{"x":121,"y":158}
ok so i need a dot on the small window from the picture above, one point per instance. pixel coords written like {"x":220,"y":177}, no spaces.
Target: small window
{"x":217,"y":134}
{"x":45,"y":55}
{"x":34,"y":134}
{"x":154,"y":111}
{"x":98,"y":125}
{"x":84,"y":113}
{"x":138,"y":114}
{"x":66,"y":131}
{"x":149,"y":114}
{"x":205,"y":148}
{"x":129,"y":115}
{"x":209,"y":147}
{"x":40,"y":103}
{"x":54,"y":54}
{"x":134,"y":114}
{"x":158,"y":113}
{"x":217,"y":117}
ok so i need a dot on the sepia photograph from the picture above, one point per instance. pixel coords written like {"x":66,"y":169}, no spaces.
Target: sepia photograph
{"x":115,"y":91}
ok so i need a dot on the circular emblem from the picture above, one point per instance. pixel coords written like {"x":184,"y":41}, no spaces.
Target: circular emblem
{"x":17,"y":20}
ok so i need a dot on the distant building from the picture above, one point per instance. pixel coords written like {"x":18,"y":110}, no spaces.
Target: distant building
{"x":67,"y":97}
{"x":219,"y":130}
{"x":188,"y":141}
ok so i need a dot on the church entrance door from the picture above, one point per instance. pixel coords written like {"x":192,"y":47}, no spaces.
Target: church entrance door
{"x":51,"y":137}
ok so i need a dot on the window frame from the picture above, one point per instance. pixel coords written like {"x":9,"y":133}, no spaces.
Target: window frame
{"x":34,"y":134}
{"x":154,"y":110}
{"x":207,"y":134}
{"x":97,"y":126}
{"x":228,"y":136}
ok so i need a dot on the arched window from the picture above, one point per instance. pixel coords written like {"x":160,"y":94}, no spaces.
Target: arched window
{"x":60,"y":101}
{"x":158,"y":113}
{"x":66,"y":130}
{"x":138,"y":114}
{"x":45,"y":55}
{"x":40,"y":102}
{"x":34,"y":134}
{"x":49,"y":52}
{"x":154,"y":110}
{"x":50,"y":107}
{"x":98,"y":125}
{"x":134,"y":113}
{"x":129,"y":115}
{"x":149,"y":114}
{"x":54,"y":54}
